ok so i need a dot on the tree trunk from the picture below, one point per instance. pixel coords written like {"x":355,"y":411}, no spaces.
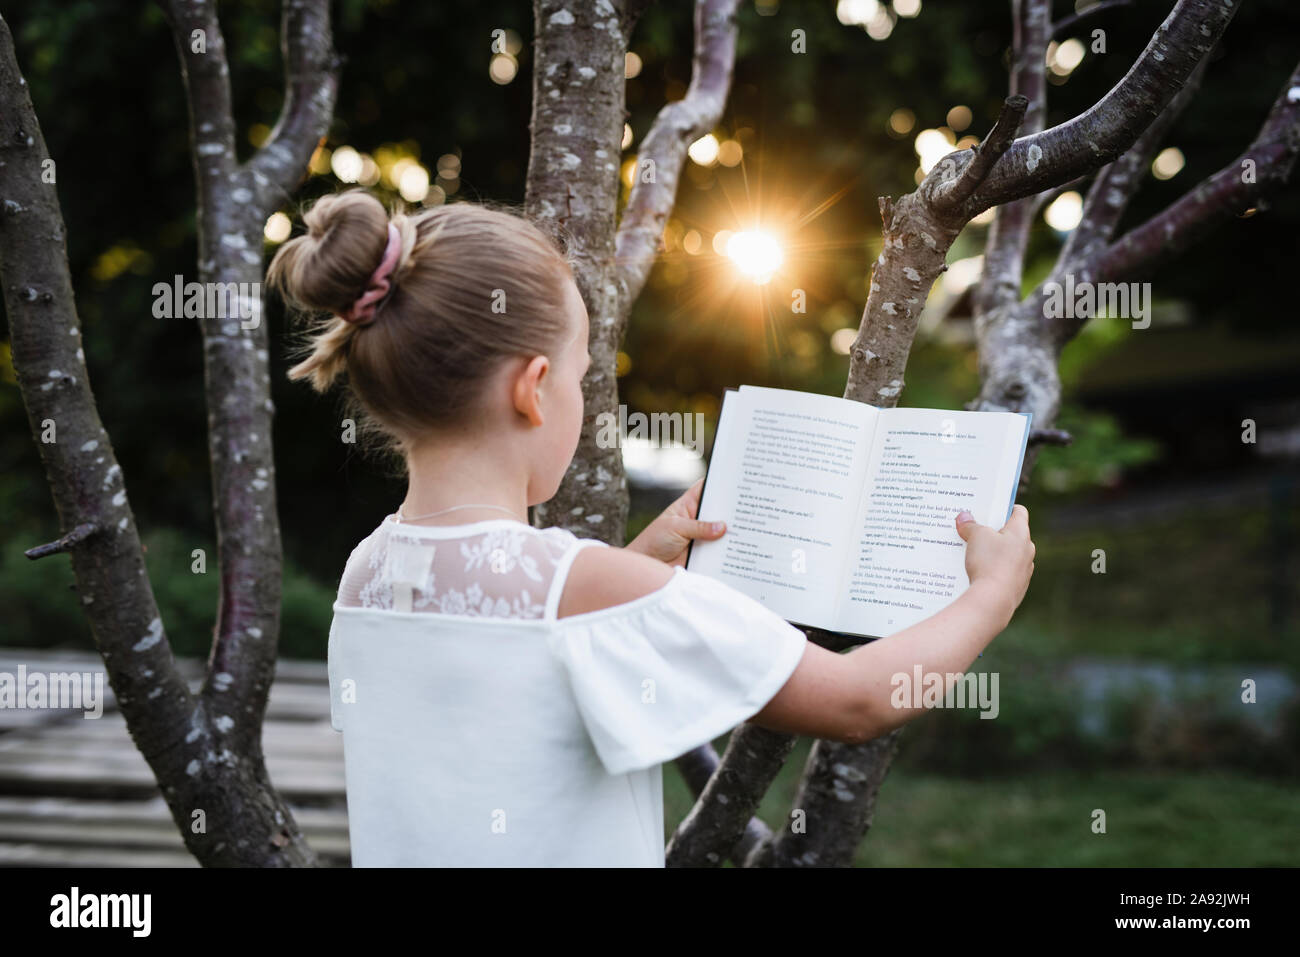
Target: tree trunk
{"x":204,"y":749}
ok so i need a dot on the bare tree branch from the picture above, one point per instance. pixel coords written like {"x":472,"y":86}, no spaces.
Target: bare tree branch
{"x":1046,"y":197}
{"x":1100,"y":134}
{"x":234,"y":202}
{"x":837,"y":794}
{"x":918,"y":231}
{"x":663,"y":151}
{"x":956,"y":191}
{"x":717,"y":825}
{"x":697,"y":767}
{"x":64,"y":544}
{"x":841,"y":782}
{"x":1049,"y":437}
{"x":1067,"y":24}
{"x":1017,"y":354}
{"x":1262,"y":169}
{"x":1116,"y":183}
{"x":1008,"y":237}
{"x":310,"y":88}
{"x":204,"y":69}
{"x":233,"y":205}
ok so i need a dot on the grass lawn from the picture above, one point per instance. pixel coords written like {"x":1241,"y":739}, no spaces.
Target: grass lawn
{"x":1201,"y":588}
{"x":1153,"y":819}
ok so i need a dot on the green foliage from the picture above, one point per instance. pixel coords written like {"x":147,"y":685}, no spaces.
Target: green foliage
{"x":40,"y":601}
{"x":1040,"y":726}
{"x":1099,"y":455}
{"x":44,"y":611}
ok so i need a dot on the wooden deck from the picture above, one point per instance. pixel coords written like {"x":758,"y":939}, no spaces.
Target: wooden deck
{"x":76,"y":793}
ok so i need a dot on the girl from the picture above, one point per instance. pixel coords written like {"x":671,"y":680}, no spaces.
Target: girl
{"x":508,"y":694}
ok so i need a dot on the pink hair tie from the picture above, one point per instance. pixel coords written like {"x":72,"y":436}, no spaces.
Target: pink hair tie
{"x":363,"y":310}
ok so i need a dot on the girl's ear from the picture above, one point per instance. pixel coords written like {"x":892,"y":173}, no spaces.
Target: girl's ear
{"x":527,"y":389}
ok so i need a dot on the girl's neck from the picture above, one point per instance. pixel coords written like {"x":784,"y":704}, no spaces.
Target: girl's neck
{"x":450,"y":474}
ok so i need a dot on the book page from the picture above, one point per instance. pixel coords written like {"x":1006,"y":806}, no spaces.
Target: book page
{"x":926,"y":465}
{"x":786,"y":476}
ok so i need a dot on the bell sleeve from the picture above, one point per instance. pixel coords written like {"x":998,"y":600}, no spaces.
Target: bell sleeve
{"x":667,"y":672}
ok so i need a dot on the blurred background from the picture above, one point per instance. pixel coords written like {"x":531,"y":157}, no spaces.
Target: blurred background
{"x":1126,"y":684}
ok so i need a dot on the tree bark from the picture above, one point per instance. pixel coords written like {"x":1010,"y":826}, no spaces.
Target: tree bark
{"x":205,"y":750}
{"x":663,"y":151}
{"x":234,"y":201}
{"x":841,"y":781}
{"x":85,"y":479}
{"x":723,"y":815}
{"x":837,"y":798}
{"x":572,"y":188}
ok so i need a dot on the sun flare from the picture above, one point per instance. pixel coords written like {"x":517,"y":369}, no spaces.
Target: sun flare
{"x":756,"y":254}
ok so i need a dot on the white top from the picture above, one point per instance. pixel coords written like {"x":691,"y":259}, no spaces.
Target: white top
{"x":481,"y":730}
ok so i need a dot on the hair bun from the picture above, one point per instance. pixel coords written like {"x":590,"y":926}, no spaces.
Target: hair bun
{"x":329,"y":267}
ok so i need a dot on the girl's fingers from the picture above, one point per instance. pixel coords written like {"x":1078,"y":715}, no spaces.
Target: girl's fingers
{"x":693,"y":528}
{"x":1019,"y":521}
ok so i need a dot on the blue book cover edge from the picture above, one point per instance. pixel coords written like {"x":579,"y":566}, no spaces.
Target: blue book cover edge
{"x":1024,"y":444}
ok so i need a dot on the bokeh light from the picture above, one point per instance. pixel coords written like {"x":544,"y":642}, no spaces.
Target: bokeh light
{"x":959,"y":117}
{"x":902,"y":120}
{"x":932,"y":146}
{"x":413,"y":183}
{"x":1168,"y":163}
{"x":842,"y":340}
{"x":962,"y":274}
{"x":346,"y":163}
{"x":730,"y":153}
{"x":278,"y":227}
{"x":502,"y":68}
{"x":1064,"y":212}
{"x":704,"y":151}
{"x":856,"y":13}
{"x":1063,"y":58}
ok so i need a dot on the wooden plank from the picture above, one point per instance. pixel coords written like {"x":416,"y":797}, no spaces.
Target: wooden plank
{"x":152,"y":813}
{"x":12,"y":719}
{"x":55,"y":659}
{"x":36,"y":855}
{"x":40,"y":774}
{"x":77,"y":793}
{"x":300,"y":690}
{"x":99,"y":759}
{"x":125,"y":837}
{"x":285,"y":738}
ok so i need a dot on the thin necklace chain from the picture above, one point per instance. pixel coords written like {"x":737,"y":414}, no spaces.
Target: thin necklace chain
{"x":454,"y":508}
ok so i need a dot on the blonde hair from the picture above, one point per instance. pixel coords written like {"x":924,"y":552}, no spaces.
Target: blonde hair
{"x":472,"y":287}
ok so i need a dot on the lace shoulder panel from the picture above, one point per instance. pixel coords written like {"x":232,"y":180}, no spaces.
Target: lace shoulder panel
{"x":496,"y":569}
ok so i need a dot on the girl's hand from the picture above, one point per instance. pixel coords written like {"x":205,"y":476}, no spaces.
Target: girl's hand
{"x":1000,"y":561}
{"x":667,"y":537}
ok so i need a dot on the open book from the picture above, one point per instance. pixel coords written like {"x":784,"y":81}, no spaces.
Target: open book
{"x":841,"y":515}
